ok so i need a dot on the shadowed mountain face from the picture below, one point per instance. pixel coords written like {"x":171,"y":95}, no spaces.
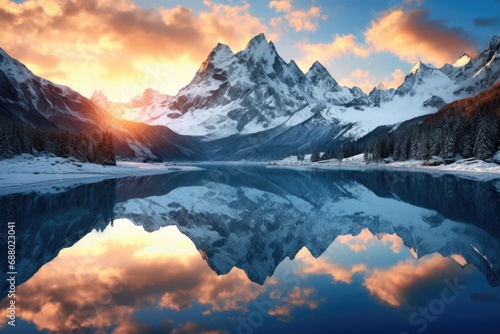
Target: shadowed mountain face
{"x":253,"y":217}
{"x":39,"y":103}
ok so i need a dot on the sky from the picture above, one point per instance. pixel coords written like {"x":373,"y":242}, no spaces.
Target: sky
{"x":123,"y":47}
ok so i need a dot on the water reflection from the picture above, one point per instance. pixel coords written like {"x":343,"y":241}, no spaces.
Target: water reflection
{"x":295,"y":251}
{"x":47,"y":222}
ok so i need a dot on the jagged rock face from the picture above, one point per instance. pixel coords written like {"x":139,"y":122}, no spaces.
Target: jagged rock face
{"x":380,"y":95}
{"x":420,"y":76}
{"x":479,"y":73}
{"x":254,"y":85}
{"x":251,"y":91}
{"x":435,"y":102}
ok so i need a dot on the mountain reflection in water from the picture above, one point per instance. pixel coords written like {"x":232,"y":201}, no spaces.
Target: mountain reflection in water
{"x":291,"y":250}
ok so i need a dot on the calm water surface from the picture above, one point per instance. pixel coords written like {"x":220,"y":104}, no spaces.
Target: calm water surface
{"x":250,"y":249}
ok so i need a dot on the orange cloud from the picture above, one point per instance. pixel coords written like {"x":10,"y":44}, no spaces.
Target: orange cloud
{"x":359,"y":242}
{"x":297,"y":297}
{"x":400,"y":285}
{"x":320,"y":266}
{"x":300,"y":20}
{"x":366,"y":81}
{"x":281,"y":5}
{"x":409,"y":34}
{"x":103,"y":44}
{"x":103,"y":280}
{"x":413,"y":36}
{"x":325,"y":53}
{"x":396,"y":242}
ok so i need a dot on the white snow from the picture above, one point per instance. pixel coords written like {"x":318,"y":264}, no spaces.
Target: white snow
{"x":476,"y":169}
{"x":25,"y":173}
{"x":462,"y":61}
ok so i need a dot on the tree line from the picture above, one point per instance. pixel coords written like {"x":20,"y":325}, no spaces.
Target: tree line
{"x":462,"y":129}
{"x":17,"y":138}
{"x":449,"y":138}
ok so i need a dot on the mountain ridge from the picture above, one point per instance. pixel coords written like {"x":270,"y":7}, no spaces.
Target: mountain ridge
{"x":244,"y":103}
{"x":205,"y":92}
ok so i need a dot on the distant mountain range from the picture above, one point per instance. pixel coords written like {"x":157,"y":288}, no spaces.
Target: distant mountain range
{"x":246,"y":105}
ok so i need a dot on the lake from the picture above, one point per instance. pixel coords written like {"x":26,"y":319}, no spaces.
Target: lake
{"x":239,"y":248}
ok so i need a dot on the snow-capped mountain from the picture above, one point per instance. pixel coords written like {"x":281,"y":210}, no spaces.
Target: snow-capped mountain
{"x":251,"y":91}
{"x":41,"y":103}
{"x":256,"y":91}
{"x":422,"y":78}
{"x":475,"y":75}
{"x":380,"y":95}
{"x":246,"y":105}
{"x":138,"y":109}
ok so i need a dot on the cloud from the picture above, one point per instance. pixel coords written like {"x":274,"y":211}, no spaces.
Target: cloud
{"x":366,"y":81}
{"x":409,"y":34}
{"x":412,"y":35}
{"x":361,"y":241}
{"x":102,"y":43}
{"x":100,"y":283}
{"x":296,"y":297}
{"x":195,"y":328}
{"x":396,"y":242}
{"x":410,"y":282}
{"x":325,"y":53}
{"x":281,"y":5}
{"x":321,"y":266}
{"x":300,"y":20}
{"x":487,"y":22}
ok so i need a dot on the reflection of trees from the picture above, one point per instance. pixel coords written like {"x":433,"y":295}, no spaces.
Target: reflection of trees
{"x":46,"y":223}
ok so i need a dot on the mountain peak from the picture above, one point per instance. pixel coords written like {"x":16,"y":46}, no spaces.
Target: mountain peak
{"x":380,"y":86}
{"x":217,"y":57}
{"x":462,"y":61}
{"x":98,"y":94}
{"x":495,"y":43}
{"x":317,"y":66}
{"x":259,"y":49}
{"x":421,"y":67}
{"x":257,"y":40}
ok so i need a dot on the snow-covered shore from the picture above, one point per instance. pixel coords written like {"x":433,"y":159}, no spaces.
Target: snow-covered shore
{"x":25,"y":172}
{"x":473,"y":168}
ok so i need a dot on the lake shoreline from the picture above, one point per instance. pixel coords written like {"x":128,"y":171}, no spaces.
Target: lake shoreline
{"x":26,"y":173}
{"x":473,"y":168}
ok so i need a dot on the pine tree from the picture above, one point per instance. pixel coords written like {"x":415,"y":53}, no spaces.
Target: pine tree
{"x":315,"y":156}
{"x":484,"y":144}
